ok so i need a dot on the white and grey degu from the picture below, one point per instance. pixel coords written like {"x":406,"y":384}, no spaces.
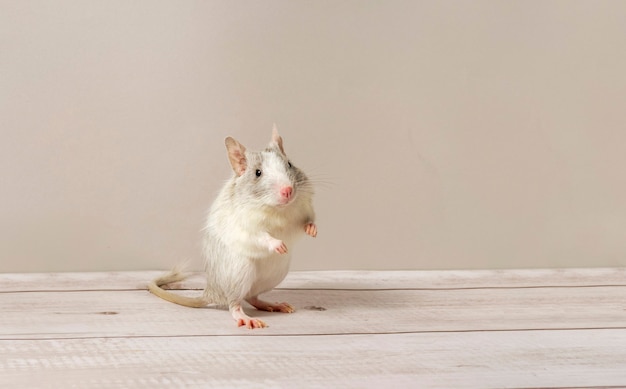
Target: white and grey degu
{"x":256,"y":217}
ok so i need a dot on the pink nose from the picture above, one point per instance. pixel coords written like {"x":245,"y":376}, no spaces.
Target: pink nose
{"x":286,"y":192}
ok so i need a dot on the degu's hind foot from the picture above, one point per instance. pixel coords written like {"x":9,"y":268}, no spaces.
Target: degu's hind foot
{"x":244,"y":320}
{"x":269,"y":307}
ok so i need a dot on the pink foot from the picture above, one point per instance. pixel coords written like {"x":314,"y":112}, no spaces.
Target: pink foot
{"x":251,"y":323}
{"x":269,"y":307}
{"x":311,"y":229}
{"x":244,"y":320}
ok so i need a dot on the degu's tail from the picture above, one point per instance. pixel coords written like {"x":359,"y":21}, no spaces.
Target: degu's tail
{"x":174,"y":276}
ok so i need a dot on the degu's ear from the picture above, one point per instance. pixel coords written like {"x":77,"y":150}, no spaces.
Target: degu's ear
{"x":277,"y":141}
{"x":236,"y":155}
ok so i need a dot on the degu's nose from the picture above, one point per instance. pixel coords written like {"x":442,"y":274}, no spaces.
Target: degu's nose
{"x":286,"y":192}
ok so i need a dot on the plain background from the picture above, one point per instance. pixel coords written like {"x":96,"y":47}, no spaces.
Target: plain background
{"x":442,"y":134}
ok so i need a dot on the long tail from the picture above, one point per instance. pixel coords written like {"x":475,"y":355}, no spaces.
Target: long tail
{"x":174,"y":276}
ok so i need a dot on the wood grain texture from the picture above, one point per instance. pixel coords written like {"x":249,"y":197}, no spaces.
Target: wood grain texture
{"x":515,"y":329}
{"x":431,"y":279}
{"x":139,"y":313}
{"x":458,"y":360}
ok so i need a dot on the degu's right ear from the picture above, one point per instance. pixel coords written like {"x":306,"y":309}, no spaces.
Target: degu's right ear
{"x":236,"y":155}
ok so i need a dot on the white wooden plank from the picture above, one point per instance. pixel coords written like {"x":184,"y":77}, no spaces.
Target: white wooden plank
{"x":589,"y":358}
{"x":138,"y":313}
{"x":455,"y":279}
{"x":23,"y":282}
{"x":449,"y":279}
{"x":110,"y":334}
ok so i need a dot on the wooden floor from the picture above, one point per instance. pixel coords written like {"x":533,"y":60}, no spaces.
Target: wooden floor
{"x":456,"y":329}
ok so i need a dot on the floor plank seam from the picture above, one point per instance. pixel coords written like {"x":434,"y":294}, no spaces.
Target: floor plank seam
{"x":458,"y":288}
{"x":385,"y":333}
{"x":574,"y":387}
{"x":329,"y":289}
{"x":78,"y":290}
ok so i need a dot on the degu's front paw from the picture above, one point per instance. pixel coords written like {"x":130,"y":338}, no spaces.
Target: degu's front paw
{"x":278,"y":246}
{"x":310,"y":229}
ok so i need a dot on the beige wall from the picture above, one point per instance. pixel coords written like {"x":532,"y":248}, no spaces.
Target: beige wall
{"x":462,"y":134}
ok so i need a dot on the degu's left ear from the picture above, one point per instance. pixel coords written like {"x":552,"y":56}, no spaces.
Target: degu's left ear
{"x":277,"y":141}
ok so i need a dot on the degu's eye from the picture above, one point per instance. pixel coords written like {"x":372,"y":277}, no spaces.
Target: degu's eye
{"x":258,"y":173}
{"x":289,"y":164}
